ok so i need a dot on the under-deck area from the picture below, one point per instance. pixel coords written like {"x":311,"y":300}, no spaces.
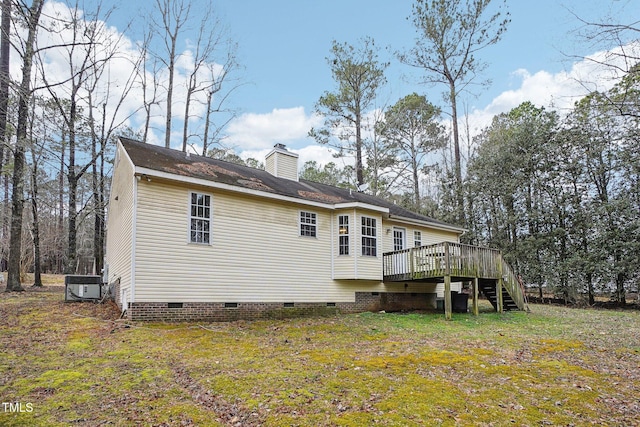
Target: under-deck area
{"x":455,"y":262}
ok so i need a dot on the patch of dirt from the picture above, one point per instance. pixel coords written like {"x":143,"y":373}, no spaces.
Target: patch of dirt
{"x":234,"y":414}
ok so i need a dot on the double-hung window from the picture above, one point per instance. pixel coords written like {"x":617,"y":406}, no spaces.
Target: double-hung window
{"x":308,"y":224}
{"x":343,"y":234}
{"x":417,"y":239}
{"x":200,"y":218}
{"x":369,"y":237}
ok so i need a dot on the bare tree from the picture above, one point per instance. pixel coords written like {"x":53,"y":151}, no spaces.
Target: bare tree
{"x":216,"y":99}
{"x":616,"y":36}
{"x":174,"y":14}
{"x":149,"y":82}
{"x":88,"y":52}
{"x":207,"y":41}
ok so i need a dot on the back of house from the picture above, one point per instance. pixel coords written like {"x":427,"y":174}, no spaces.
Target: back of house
{"x":194,"y":238}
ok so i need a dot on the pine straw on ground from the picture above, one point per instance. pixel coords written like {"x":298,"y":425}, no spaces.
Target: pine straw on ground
{"x":79,"y":364}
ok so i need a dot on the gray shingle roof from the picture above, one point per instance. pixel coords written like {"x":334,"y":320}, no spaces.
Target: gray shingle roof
{"x":176,"y":162}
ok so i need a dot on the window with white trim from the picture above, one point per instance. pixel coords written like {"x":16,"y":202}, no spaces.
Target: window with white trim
{"x":369,"y":237}
{"x":308,"y":224}
{"x":343,"y":234}
{"x":200,"y":218}
{"x":417,"y":239}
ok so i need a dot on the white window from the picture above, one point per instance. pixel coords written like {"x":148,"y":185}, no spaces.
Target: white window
{"x":398,"y":239}
{"x":343,"y":234}
{"x":200,"y":216}
{"x":417,"y":239}
{"x":308,"y":224}
{"x":369,"y":237}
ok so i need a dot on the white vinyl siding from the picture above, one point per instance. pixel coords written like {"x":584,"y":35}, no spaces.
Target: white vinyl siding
{"x":256,"y":254}
{"x":287,"y":166}
{"x":369,"y":266}
{"x":282,"y":164}
{"x":120,"y":227}
{"x":428,"y":235}
{"x":344,"y":266}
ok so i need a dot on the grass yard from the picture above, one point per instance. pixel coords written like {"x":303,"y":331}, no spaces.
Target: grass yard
{"x":76,"y":364}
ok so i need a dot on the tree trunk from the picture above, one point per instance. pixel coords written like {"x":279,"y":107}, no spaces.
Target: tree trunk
{"x":171,"y":66}
{"x":60,"y":225}
{"x":17,"y":197}
{"x":5,"y":28}
{"x":589,"y":279}
{"x":207,"y":121}
{"x":72,"y":180}
{"x":456,"y":151}
{"x":35,"y":230}
{"x":359,"y":168}
{"x":620,"y":293}
{"x":72,"y":258}
{"x":185,"y":127}
{"x":416,"y":182}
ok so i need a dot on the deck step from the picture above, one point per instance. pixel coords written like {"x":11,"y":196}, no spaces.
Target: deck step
{"x":488,"y":289}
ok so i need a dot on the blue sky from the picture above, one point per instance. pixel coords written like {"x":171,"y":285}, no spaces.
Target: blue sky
{"x":283,"y":45}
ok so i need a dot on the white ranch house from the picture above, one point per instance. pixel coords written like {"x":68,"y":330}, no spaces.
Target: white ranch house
{"x":194,"y":238}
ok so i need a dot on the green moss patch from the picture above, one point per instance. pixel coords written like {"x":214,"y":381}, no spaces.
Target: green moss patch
{"x":78,"y":364}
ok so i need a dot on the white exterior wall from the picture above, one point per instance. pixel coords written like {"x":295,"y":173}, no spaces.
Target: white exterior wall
{"x":344,"y":266}
{"x":120,"y":225}
{"x":429,"y":235}
{"x":256,"y":255}
{"x":355,"y":265}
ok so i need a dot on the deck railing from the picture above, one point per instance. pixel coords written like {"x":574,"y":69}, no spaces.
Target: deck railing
{"x":513,"y":286}
{"x":447,"y":258}
{"x":455,"y":260}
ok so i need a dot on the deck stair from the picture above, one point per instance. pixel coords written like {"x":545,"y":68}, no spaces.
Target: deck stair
{"x":488,"y":289}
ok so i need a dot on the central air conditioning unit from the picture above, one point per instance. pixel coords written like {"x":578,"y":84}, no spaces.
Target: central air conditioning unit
{"x":82,"y":288}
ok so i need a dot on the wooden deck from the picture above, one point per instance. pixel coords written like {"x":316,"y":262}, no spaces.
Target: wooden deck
{"x":447,"y":262}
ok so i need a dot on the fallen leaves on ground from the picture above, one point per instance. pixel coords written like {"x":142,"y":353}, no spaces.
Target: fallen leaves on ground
{"x":80,"y":364}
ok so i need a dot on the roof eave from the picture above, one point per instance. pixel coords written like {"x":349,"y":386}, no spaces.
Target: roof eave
{"x":430,"y":224}
{"x":361,"y":205}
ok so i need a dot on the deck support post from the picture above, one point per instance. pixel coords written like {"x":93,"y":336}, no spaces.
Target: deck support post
{"x":447,"y":297}
{"x":475,"y":297}
{"x":447,"y":283}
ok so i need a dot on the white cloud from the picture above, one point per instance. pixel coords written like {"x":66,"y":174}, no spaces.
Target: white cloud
{"x":559,"y":91}
{"x":321,"y":155}
{"x":253,"y":131}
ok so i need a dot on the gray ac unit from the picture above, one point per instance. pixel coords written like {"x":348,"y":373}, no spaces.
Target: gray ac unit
{"x":82,"y":288}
